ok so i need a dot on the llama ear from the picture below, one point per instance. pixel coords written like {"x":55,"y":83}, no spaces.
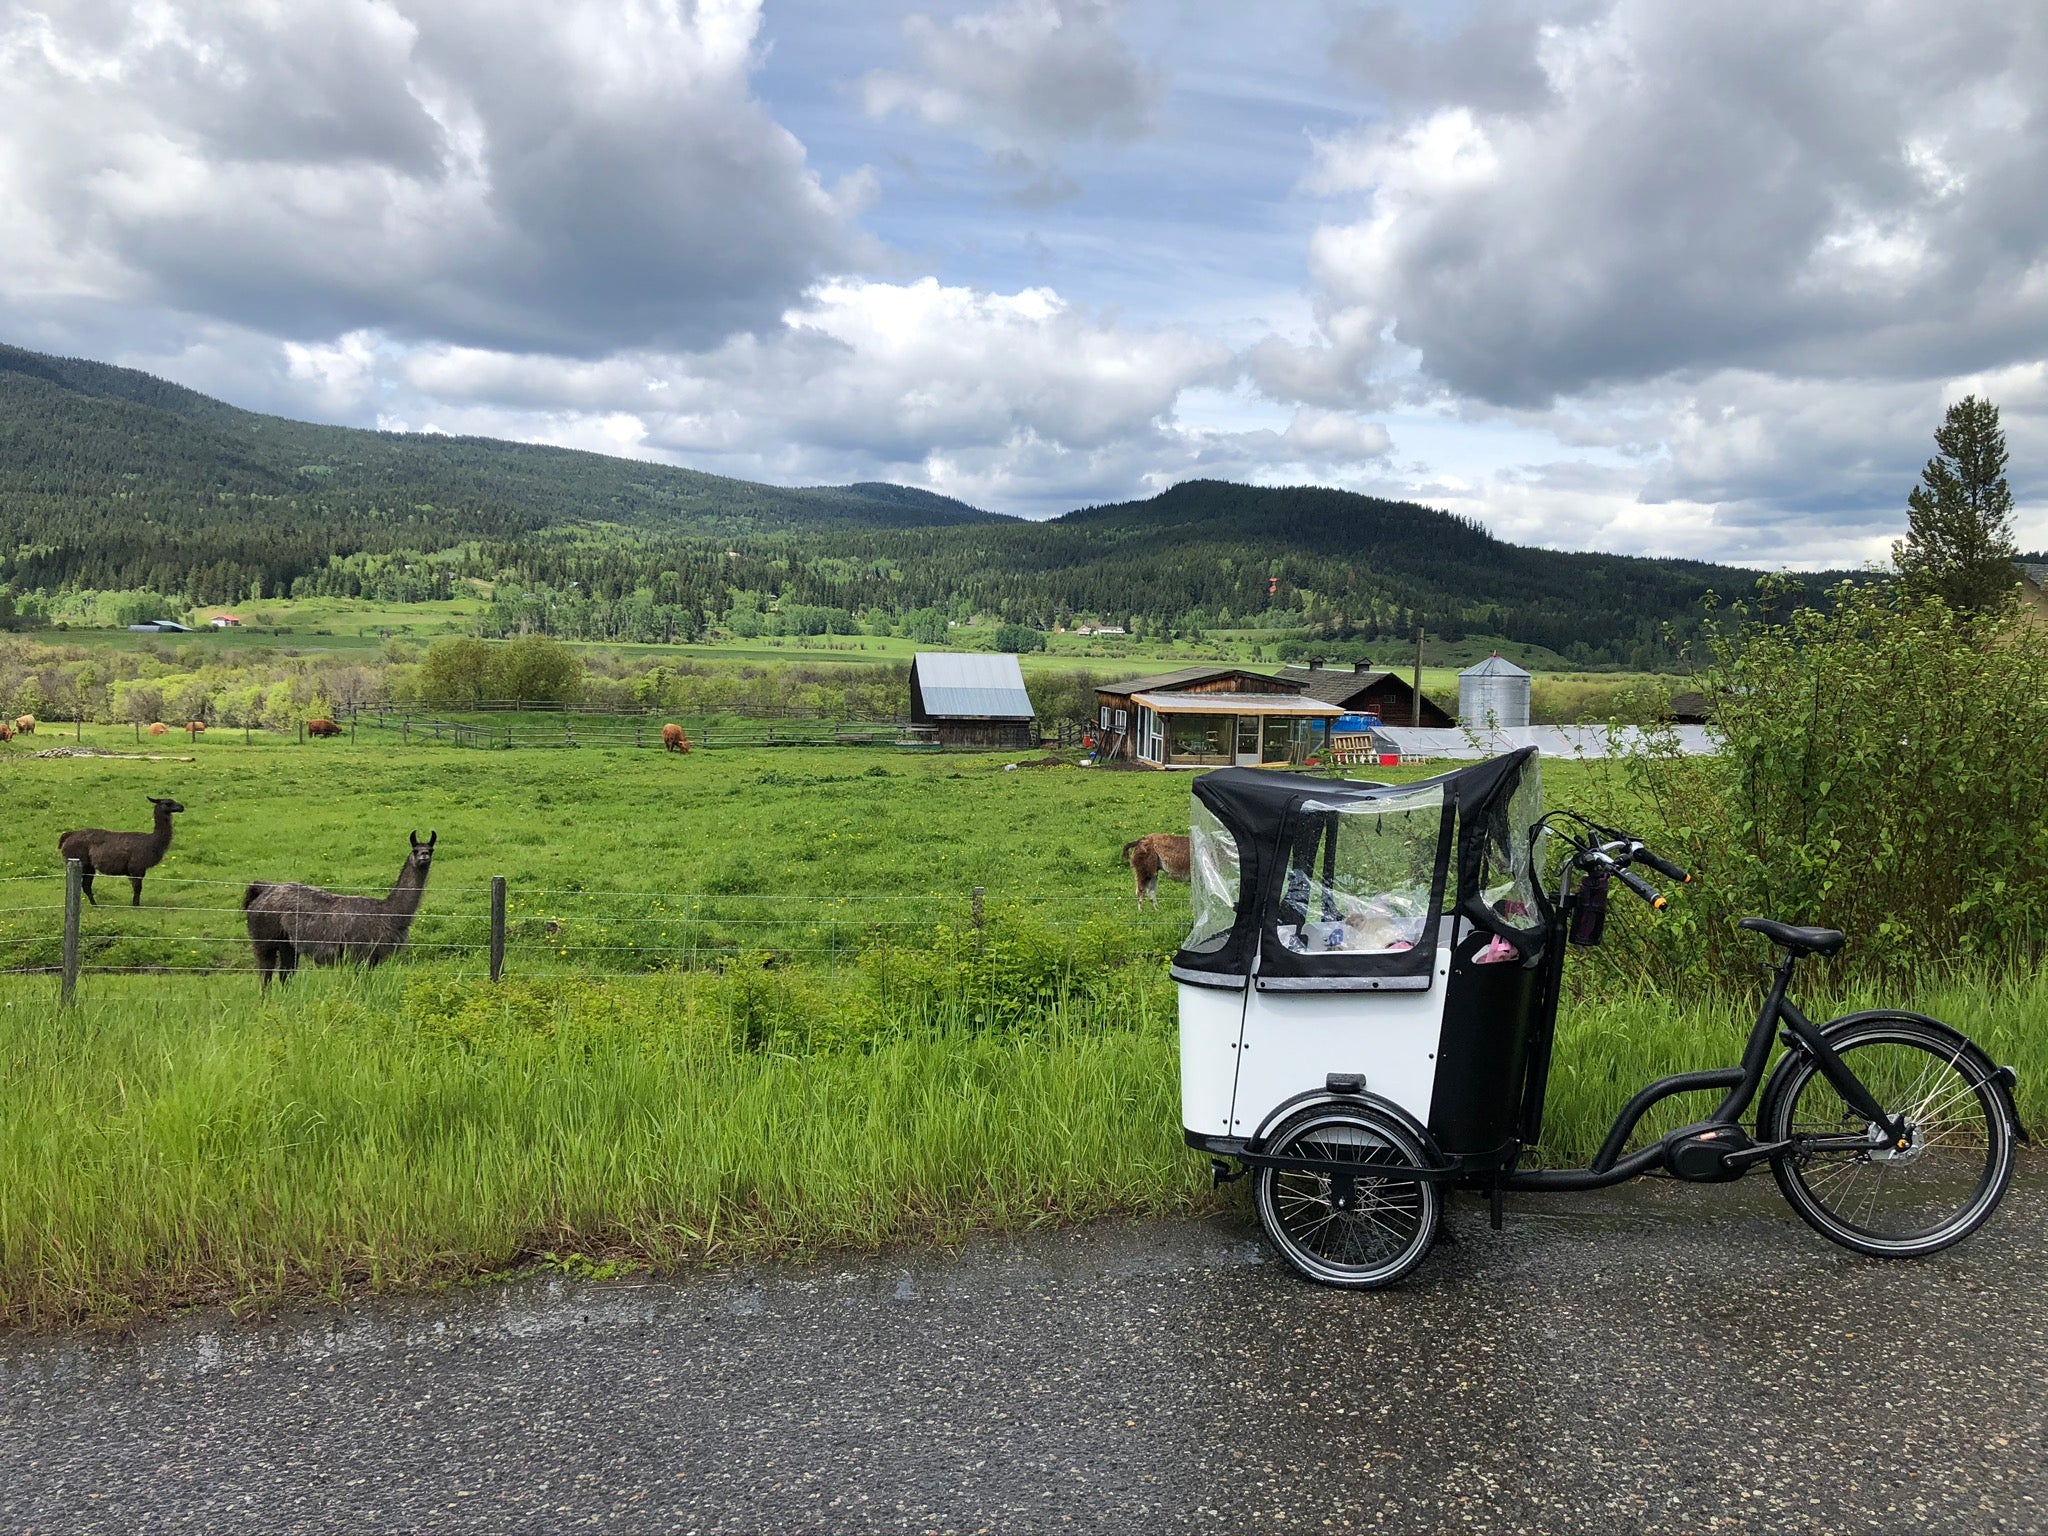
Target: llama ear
{"x":413,"y":838}
{"x":433,"y":838}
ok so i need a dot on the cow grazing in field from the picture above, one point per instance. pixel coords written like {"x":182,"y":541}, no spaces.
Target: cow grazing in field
{"x":1156,"y":854}
{"x":159,"y":729}
{"x":291,"y":923}
{"x":194,"y":727}
{"x":322,"y":728}
{"x":133,"y":854}
{"x":674,"y":739}
{"x":24,"y":725}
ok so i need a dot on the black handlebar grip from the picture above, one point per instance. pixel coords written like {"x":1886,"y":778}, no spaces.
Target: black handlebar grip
{"x":1664,"y":867}
{"x":1642,"y":888}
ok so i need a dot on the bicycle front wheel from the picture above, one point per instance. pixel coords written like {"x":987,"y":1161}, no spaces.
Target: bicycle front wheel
{"x":1876,"y":1197}
{"x":1362,"y":1239}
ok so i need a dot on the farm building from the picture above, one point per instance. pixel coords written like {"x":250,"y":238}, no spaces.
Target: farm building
{"x":972,"y":700}
{"x":1116,"y":714}
{"x":160,"y":627}
{"x":1211,"y":716}
{"x":1362,"y":689}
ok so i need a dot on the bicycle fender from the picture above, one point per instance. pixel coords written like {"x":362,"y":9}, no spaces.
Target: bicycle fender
{"x":1317,"y":1098}
{"x":1970,"y":1048}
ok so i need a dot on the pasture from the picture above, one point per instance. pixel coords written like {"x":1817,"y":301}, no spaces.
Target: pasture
{"x":746,"y":1010}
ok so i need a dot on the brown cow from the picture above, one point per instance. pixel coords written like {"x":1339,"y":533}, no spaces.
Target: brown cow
{"x":1156,"y":854}
{"x":159,"y":729}
{"x":322,"y":727}
{"x":25,"y":725}
{"x":674,"y":739}
{"x":194,"y":727}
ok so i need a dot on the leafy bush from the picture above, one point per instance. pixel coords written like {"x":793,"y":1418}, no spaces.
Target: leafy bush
{"x":1882,"y":773}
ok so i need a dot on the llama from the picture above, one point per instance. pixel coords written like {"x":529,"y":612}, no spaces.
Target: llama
{"x":674,"y":739}
{"x":194,"y":727}
{"x":133,"y":854}
{"x":322,"y":727}
{"x":24,"y":725}
{"x":6,"y":731}
{"x":159,"y":729}
{"x":1156,"y":854}
{"x":290,"y":923}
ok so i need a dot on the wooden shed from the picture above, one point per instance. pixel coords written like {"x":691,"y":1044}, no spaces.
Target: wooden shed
{"x":972,"y":699}
{"x":1117,"y":712}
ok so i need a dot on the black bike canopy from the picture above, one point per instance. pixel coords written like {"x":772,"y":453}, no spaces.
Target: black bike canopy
{"x":1338,"y":884}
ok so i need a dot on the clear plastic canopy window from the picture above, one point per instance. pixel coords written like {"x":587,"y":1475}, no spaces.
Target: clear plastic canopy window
{"x":1360,"y":879}
{"x":1214,"y":871}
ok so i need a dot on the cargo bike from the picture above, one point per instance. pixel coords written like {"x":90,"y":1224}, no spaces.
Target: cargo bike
{"x":1368,"y":999}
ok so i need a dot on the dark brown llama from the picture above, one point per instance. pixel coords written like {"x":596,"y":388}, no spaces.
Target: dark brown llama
{"x":290,"y":923}
{"x":133,"y":854}
{"x":1153,"y":855}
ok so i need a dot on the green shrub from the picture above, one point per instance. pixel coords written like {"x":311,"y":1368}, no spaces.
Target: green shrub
{"x":1882,"y":772}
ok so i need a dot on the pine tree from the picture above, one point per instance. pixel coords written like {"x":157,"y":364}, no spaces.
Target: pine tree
{"x":1958,"y":544}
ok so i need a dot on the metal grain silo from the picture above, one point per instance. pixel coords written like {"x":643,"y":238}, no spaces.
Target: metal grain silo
{"x":1496,"y":692}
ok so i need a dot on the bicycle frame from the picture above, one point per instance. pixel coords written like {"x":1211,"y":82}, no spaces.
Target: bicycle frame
{"x":1741,"y":1082}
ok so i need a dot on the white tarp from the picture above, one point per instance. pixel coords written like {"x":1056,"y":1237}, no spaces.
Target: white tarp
{"x":1469,"y":744}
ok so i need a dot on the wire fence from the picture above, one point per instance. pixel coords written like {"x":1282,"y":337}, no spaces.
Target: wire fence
{"x":49,"y":924}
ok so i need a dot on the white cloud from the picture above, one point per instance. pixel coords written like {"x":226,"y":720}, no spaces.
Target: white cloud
{"x":1024,"y":80}
{"x":1807,"y":189}
{"x":567,"y":175}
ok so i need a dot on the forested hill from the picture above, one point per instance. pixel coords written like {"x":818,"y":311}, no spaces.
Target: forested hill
{"x":113,"y":478}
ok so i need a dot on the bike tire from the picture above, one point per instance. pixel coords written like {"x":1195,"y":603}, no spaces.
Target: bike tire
{"x":1880,"y":1201}
{"x":1392,"y":1227}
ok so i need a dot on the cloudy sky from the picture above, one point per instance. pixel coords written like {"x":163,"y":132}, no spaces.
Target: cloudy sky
{"x":1609,"y":274}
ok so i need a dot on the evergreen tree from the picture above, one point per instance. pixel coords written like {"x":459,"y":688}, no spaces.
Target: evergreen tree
{"x":1958,"y":546}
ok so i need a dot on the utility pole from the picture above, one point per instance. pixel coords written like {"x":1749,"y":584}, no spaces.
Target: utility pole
{"x":1418,"y":675}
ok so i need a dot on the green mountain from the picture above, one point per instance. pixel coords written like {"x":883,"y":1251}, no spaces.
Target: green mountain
{"x":113,"y":479}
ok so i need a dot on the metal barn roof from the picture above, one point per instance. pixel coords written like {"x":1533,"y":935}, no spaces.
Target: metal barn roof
{"x":1180,"y":679}
{"x":958,"y":685}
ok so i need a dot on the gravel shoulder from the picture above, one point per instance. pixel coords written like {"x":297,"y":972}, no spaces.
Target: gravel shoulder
{"x":1652,"y":1359}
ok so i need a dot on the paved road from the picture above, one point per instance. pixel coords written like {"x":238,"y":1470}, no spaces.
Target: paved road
{"x":1655,"y":1360}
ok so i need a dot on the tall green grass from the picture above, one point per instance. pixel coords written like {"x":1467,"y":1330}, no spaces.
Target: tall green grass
{"x":162,"y":1144}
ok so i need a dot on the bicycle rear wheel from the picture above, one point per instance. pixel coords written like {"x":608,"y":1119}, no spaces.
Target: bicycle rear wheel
{"x":1877,"y":1198}
{"x":1363,"y":1239}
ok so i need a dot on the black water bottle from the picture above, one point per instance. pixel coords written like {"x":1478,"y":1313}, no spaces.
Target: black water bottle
{"x":1589,"y":919}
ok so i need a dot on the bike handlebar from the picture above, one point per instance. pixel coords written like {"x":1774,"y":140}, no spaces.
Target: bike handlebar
{"x":1664,"y":867}
{"x":1641,"y":887}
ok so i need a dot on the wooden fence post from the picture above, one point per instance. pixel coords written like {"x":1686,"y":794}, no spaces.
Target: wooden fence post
{"x":497,"y":926}
{"x":74,"y":886}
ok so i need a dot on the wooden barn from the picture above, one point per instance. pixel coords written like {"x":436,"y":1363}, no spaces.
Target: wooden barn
{"x":972,"y":700}
{"x":1211,"y":716}
{"x":1361,"y":689}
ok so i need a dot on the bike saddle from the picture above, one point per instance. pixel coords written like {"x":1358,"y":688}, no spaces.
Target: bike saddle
{"x":1801,"y":941}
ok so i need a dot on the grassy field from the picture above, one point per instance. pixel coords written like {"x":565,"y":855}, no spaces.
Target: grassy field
{"x":746,"y":1011}
{"x":162,"y":1145}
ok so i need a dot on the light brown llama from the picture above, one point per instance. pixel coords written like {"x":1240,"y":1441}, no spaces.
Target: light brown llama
{"x":291,"y":923}
{"x":1153,"y":855}
{"x":24,"y":725}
